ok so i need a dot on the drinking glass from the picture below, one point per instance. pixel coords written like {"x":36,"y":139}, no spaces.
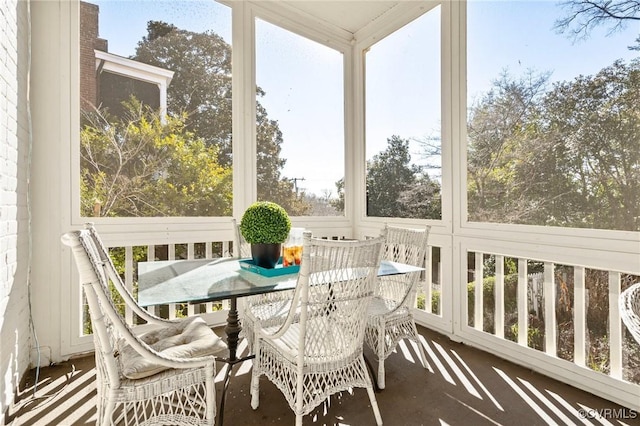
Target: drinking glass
{"x":292,"y":251}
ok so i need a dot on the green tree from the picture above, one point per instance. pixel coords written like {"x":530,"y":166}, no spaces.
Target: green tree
{"x":594,"y":122}
{"x":567,"y":157}
{"x":201,"y":84}
{"x":389,"y":174}
{"x":422,"y":200}
{"x":272,"y":186}
{"x":135,"y":165}
{"x":498,"y":127}
{"x":338,"y":203}
{"x":201,"y":87}
{"x":322,"y":205}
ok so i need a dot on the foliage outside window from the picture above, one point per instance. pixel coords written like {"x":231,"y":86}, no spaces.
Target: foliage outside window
{"x":140,"y":159}
{"x":553,"y":119}
{"x":403,"y":137}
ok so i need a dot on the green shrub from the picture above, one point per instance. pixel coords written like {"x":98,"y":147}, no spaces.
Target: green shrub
{"x":435,"y":302}
{"x":265,"y":222}
{"x":489,"y":299}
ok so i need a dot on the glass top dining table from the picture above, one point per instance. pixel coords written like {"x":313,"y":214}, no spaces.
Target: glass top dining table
{"x":209,"y":280}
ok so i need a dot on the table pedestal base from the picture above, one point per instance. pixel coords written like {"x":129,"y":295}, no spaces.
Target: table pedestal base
{"x":232,"y":330}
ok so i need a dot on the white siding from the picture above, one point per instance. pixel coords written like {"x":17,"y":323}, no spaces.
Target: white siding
{"x":14,"y":239}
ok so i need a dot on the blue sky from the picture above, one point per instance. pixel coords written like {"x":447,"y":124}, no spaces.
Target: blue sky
{"x":520,"y":35}
{"x":403,"y":78}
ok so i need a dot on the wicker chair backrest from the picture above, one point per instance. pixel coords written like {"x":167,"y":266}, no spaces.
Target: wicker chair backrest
{"x":403,"y":245}
{"x":335,"y":285}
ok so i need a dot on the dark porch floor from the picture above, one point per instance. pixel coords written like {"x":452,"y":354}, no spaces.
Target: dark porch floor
{"x":463,"y":386}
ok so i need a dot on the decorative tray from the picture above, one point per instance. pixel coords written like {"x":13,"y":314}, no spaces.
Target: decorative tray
{"x":248,"y":265}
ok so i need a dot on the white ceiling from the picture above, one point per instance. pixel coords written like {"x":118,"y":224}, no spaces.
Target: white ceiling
{"x":350,"y":16}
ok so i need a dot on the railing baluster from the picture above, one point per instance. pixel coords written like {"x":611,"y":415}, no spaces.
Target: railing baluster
{"x":615,"y":326}
{"x":478,"y":291}
{"x":549,"y":296}
{"x":440,"y":286}
{"x":171,"y":254}
{"x":428,"y":285}
{"x":499,"y":289}
{"x":128,"y":280}
{"x":208,"y":254}
{"x":523,"y":314}
{"x":151,"y":257}
{"x":579,"y":316}
{"x":191,"y":309}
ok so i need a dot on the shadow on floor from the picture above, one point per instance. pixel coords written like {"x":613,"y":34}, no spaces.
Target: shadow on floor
{"x":461,"y":386}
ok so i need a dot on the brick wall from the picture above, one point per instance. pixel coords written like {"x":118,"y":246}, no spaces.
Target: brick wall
{"x":89,"y":41}
{"x":14,"y":239}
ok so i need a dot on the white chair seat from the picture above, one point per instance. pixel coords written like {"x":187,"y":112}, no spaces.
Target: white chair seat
{"x":329,"y":340}
{"x":188,"y":338}
{"x":380,"y":306}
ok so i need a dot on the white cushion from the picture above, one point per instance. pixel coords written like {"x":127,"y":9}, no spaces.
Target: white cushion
{"x":189,"y":338}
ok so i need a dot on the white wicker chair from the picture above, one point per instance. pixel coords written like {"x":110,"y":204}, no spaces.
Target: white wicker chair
{"x":317,"y":351}
{"x":165,"y":376}
{"x":390,"y":318}
{"x":629,"y":303}
{"x":262,"y":307}
{"x":112,"y":276}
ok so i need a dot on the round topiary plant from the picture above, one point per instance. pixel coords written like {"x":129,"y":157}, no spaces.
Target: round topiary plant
{"x":265,"y":222}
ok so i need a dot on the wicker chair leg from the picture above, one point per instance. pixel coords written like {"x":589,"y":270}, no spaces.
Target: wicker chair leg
{"x":423,"y":357}
{"x":255,"y":391}
{"x":299,"y":394}
{"x":381,"y":381}
{"x":381,"y":355}
{"x":107,"y":412}
{"x":374,"y":405}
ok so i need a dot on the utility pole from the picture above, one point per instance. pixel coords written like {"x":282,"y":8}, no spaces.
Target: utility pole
{"x":295,"y":183}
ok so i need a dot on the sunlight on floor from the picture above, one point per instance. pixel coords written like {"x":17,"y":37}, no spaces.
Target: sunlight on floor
{"x":474,"y":410}
{"x":479,"y":383}
{"x":61,"y":401}
{"x":561,"y":408}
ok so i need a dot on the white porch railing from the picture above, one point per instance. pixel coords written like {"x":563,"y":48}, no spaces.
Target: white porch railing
{"x":542,"y":314}
{"x":569,"y":313}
